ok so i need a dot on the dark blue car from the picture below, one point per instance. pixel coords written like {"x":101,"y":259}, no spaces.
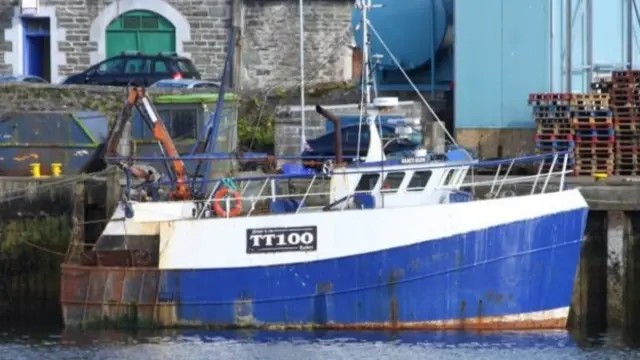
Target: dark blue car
{"x":323,"y":146}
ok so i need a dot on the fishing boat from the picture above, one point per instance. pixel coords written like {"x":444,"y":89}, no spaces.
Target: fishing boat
{"x":391,"y":244}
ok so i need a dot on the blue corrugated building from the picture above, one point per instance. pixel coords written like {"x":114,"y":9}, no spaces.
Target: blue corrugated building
{"x":503,"y":51}
{"x":506,"y":49}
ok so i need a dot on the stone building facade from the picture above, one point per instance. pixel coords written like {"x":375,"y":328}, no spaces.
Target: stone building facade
{"x":80,"y":33}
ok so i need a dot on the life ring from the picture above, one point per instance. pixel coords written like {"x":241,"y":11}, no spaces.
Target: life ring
{"x":237,"y":208}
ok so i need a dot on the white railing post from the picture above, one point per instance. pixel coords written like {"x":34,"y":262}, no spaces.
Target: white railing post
{"x":546,"y":180}
{"x":564,"y":170}
{"x":504,"y":178}
{"x":495,"y":178}
{"x":257,"y":197}
{"x":535,"y":181}
{"x":304,"y":198}
{"x":209,"y":198}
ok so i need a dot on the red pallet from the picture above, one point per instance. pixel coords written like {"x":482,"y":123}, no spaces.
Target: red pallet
{"x":625,"y":111}
{"x":627,"y":148}
{"x":626,"y":119}
{"x":624,"y":74}
{"x":595,"y":139}
{"x":623,"y":87}
{"x":577,"y":125}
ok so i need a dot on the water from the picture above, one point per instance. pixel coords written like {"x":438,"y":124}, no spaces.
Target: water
{"x":178,"y":345}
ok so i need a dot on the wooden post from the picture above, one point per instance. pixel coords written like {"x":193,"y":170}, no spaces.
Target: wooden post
{"x":76,"y":242}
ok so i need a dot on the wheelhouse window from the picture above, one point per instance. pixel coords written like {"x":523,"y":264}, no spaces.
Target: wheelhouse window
{"x":419,"y":180}
{"x":392,"y":182}
{"x":367,"y":182}
{"x":448,"y":177}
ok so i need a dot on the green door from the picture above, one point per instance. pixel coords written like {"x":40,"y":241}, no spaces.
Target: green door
{"x":140,"y":30}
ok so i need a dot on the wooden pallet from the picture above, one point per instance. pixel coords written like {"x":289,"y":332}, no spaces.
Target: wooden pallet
{"x":626,"y":127}
{"x":592,"y":170}
{"x":552,"y":115}
{"x":556,"y":131}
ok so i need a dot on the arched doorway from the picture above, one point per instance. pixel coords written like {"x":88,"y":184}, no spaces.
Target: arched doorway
{"x":140,"y":30}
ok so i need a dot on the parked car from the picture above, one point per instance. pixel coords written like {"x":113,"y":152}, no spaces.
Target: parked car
{"x":186,"y":84}
{"x":323,"y":146}
{"x":22,"y":78}
{"x":136,"y":68}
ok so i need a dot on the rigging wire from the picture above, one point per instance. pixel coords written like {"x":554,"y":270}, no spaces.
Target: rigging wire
{"x":415,"y":88}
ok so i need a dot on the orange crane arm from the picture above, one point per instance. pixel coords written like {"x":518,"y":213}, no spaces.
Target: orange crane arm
{"x":137,"y":98}
{"x":161,"y":134}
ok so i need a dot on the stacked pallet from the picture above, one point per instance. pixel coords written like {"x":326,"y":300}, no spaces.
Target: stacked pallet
{"x":552,"y":114}
{"x":601,"y":85}
{"x":592,"y":122}
{"x":579,"y":123}
{"x":625,"y":99}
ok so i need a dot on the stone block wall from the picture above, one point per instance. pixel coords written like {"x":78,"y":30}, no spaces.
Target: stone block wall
{"x":269,"y":42}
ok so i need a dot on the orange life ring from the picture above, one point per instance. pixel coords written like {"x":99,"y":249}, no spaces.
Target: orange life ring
{"x":237,"y":208}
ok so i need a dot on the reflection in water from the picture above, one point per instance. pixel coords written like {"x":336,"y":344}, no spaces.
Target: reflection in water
{"x":148,"y":345}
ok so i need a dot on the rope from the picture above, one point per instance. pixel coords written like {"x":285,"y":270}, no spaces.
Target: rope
{"x":6,"y":196}
{"x":41,"y":248}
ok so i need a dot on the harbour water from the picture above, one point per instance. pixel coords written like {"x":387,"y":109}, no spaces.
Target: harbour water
{"x":44,"y":344}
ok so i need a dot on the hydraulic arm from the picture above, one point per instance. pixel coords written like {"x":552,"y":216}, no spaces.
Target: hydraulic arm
{"x":136,"y":98}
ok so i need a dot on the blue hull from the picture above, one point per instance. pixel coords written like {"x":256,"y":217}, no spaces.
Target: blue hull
{"x":475,"y":280}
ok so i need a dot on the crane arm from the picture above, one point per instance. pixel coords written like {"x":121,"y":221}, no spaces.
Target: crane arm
{"x":161,"y":134}
{"x":118,"y":128}
{"x":137,"y":98}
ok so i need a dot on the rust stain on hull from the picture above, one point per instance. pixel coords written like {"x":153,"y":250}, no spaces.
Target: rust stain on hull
{"x":131,"y":297}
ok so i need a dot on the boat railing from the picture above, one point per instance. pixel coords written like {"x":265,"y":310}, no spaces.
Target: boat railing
{"x":299,"y":199}
{"x":545,"y":171}
{"x":365,"y":167}
{"x":293,"y":201}
{"x":301,"y":189}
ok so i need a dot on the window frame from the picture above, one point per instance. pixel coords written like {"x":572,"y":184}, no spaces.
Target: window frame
{"x":392,"y":190}
{"x":422,"y":187}
{"x":367,"y":176}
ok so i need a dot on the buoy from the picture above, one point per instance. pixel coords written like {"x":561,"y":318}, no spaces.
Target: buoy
{"x":219,"y":199}
{"x":56,"y":169}
{"x":35,"y":170}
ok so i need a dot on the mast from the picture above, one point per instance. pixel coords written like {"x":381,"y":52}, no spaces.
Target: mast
{"x":365,"y":5}
{"x":303,"y":139}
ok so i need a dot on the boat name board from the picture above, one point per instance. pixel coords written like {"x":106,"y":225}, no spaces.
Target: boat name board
{"x":282,"y":239}
{"x":413,"y":160}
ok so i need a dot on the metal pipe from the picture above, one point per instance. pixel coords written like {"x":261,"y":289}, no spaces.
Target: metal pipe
{"x":303,"y":139}
{"x":551,"y":45}
{"x":629,"y":34}
{"x":569,"y":45}
{"x":589,"y":45}
{"x":337,"y":135}
{"x":365,"y":49}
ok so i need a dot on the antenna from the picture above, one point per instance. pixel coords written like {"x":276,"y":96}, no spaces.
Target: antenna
{"x":364,"y":6}
{"x":369,"y":25}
